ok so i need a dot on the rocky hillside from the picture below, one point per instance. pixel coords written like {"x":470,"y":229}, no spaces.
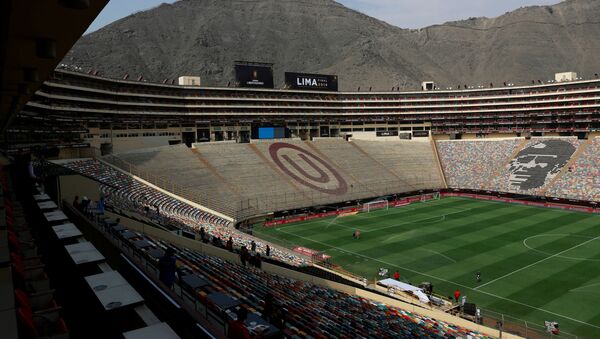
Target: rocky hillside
{"x":205,"y":37}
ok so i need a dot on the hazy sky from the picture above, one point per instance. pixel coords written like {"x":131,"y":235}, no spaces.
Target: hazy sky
{"x":402,"y":13}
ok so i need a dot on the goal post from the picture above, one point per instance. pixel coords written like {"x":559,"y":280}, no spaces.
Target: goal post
{"x":375,"y":205}
{"x":430,"y":196}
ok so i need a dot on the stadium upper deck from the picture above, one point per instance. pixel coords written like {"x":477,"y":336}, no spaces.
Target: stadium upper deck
{"x":96,"y":109}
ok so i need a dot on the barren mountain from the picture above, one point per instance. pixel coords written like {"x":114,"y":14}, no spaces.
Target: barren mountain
{"x":205,"y":37}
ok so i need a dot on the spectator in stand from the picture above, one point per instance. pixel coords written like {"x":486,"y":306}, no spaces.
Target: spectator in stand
{"x":92,"y":206}
{"x":254,"y":259}
{"x":216,"y":241}
{"x":229,"y":244}
{"x":268,"y":251}
{"x":237,"y":328}
{"x":268,"y":307}
{"x":167,"y":267}
{"x":101,"y":206}
{"x":257,"y":260}
{"x":253,"y":246}
{"x":85,"y":203}
{"x":202,"y":234}
{"x":243,"y":255}
{"x":76,"y":203}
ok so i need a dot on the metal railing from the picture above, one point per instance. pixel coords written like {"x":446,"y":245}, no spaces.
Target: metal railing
{"x":212,"y":202}
{"x":517,"y":326}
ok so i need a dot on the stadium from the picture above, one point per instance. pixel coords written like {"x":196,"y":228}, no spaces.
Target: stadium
{"x":173,"y":210}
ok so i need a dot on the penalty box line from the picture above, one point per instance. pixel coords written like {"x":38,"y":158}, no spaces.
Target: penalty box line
{"x":385,"y":227}
{"x":318,"y":221}
{"x":447,"y":281}
{"x":416,"y":221}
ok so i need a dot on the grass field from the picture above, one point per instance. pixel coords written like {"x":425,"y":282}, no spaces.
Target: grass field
{"x":537,"y":264}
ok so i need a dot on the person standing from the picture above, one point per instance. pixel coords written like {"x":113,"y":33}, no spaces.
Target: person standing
{"x":85,"y":203}
{"x":101,"y":206}
{"x":397,"y":275}
{"x":253,"y":246}
{"x":457,"y":294}
{"x":167,"y":266}
{"x":478,"y":276}
{"x":229,"y":245}
{"x":76,"y":203}
{"x":268,"y":251}
{"x":243,"y":255}
{"x":202,"y":234}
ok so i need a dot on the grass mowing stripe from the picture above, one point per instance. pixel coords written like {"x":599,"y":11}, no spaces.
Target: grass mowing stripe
{"x":312,"y":224}
{"x":451,"y":282}
{"x":537,"y":262}
{"x":432,"y":235}
{"x":507,"y":246}
{"x":416,"y":221}
{"x":489,"y":238}
{"x":496,"y":258}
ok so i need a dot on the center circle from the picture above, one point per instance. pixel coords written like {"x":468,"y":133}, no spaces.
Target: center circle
{"x":554,"y":254}
{"x":323,"y":168}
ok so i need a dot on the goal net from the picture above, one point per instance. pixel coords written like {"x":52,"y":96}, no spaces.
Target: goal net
{"x":430,"y":196}
{"x":375,"y":205}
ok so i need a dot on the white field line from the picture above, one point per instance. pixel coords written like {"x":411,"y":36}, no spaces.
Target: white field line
{"x":416,"y":221}
{"x":448,"y":281}
{"x":438,"y":253}
{"x":582,"y":287}
{"x":537,"y":262}
{"x":555,"y":235}
{"x":331,"y":222}
{"x":443,"y":217}
{"x":401,"y":209}
{"x":316,"y":222}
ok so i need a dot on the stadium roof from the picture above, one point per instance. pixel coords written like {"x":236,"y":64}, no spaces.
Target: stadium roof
{"x":34,"y":37}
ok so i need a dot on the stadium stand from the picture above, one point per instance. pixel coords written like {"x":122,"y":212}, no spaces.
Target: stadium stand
{"x":298,"y":309}
{"x":534,"y":167}
{"x":182,"y":168}
{"x":581,"y":181}
{"x":412,"y":163}
{"x":471,"y":164}
{"x":42,"y":258}
{"x":123,"y":192}
{"x":270,"y":176}
{"x":566,"y":107}
{"x":27,"y":299}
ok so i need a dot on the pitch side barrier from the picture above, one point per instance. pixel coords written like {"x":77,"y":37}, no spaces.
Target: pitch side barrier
{"x":564,"y":204}
{"x":350,"y":210}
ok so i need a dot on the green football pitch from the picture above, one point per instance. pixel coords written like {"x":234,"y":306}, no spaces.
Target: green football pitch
{"x":536,"y":263}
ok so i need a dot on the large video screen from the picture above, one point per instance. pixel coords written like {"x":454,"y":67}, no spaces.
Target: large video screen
{"x":254,"y":76}
{"x":315,"y":82}
{"x":271,"y":132}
